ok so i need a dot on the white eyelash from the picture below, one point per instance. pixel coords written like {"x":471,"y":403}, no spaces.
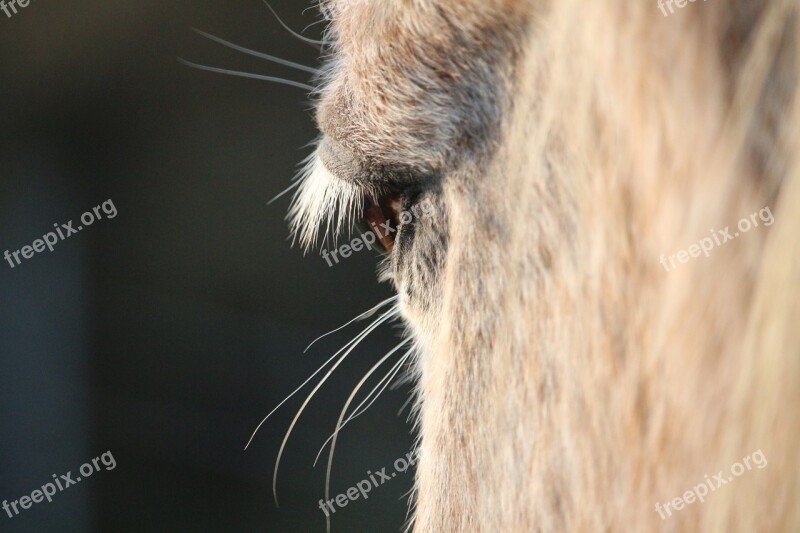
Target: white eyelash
{"x":322,"y":200}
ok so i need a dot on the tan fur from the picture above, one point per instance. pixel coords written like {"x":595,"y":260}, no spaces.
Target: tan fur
{"x":566,"y":381}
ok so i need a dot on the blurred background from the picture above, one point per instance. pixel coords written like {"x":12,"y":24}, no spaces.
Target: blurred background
{"x":165,"y":335}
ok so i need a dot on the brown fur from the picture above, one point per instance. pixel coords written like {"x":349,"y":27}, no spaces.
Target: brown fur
{"x":566,"y":381}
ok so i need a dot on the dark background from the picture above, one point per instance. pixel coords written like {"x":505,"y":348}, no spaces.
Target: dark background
{"x":166,"y":334}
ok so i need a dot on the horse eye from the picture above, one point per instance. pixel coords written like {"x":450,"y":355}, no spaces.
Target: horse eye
{"x":382,"y":217}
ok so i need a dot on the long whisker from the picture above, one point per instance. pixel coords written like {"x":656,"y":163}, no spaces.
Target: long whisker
{"x":353,"y":344}
{"x":326,"y":363}
{"x":365,"y":314}
{"x":395,"y":370}
{"x":255,"y":53}
{"x":312,"y":42}
{"x":341,"y":426}
{"x":247,"y":75}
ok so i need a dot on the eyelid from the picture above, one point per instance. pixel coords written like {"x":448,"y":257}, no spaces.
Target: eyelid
{"x":340,"y":161}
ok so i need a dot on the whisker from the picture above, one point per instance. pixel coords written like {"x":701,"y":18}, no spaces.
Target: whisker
{"x":247,"y":75}
{"x":326,"y":363}
{"x":255,"y":53}
{"x":395,"y":370}
{"x":353,"y":344}
{"x":365,"y":314}
{"x":408,"y":378}
{"x":409,"y":493}
{"x":340,"y":425}
{"x":314,"y":24}
{"x":312,"y":42}
{"x":405,"y":404}
{"x":406,"y":494}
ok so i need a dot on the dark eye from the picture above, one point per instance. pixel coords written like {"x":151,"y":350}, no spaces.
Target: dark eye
{"x":387,"y":190}
{"x":382,"y":216}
